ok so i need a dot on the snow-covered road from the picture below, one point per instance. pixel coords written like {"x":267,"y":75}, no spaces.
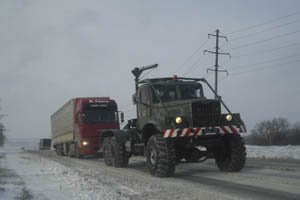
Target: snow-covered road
{"x":43,"y":175}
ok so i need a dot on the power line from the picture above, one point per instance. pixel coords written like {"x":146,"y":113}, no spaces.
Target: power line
{"x":265,"y":62}
{"x":266,"y":50}
{"x":264,"y":23}
{"x":263,"y":52}
{"x":262,"y":41}
{"x":197,"y":63}
{"x":265,"y":30}
{"x":262,"y":68}
{"x":192,"y":55}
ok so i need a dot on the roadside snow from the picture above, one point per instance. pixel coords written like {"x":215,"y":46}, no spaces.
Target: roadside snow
{"x":282,"y":152}
{"x":30,"y":176}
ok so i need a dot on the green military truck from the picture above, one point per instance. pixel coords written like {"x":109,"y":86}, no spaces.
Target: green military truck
{"x":176,"y":123}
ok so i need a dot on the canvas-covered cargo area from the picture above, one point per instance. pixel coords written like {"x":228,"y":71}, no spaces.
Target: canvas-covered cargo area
{"x":62,"y":123}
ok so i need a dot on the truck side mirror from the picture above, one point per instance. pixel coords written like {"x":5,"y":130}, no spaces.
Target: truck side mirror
{"x":122,"y":117}
{"x":134,"y":99}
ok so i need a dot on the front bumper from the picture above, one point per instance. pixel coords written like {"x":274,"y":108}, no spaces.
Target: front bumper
{"x":194,"y":132}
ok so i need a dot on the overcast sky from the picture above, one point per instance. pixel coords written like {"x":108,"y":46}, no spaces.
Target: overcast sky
{"x":52,"y":51}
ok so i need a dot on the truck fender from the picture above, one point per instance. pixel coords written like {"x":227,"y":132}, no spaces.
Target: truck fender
{"x":155,"y":124}
{"x":121,"y":135}
{"x":149,"y":129}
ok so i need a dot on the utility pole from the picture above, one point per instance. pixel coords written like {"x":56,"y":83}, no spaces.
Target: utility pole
{"x":217,"y":53}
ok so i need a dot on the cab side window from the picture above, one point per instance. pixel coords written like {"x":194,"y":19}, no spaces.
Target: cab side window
{"x":144,"y":95}
{"x":154,"y":98}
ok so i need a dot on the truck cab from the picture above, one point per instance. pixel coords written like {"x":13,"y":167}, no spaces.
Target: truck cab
{"x":175,"y":106}
{"x":93,"y":115}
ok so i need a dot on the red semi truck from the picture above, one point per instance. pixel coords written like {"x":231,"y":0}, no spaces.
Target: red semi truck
{"x":76,"y":125}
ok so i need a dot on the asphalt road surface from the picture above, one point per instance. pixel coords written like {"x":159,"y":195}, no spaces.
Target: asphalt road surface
{"x":260,"y":179}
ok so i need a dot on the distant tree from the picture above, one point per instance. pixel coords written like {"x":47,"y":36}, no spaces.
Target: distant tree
{"x":271,"y":132}
{"x":296,"y":127}
{"x":294,"y":134}
{"x":2,"y":136}
{"x":2,"y":129}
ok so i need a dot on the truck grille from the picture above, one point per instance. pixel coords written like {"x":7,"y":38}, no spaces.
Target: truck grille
{"x":206,"y":113}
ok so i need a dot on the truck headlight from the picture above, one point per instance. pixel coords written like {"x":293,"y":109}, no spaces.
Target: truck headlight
{"x":178,"y":120}
{"x":84,"y":143}
{"x":228,"y":117}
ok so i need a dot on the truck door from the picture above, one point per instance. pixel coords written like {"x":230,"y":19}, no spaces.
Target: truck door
{"x":144,"y":106}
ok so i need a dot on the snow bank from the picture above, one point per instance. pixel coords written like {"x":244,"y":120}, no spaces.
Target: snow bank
{"x":283,"y":152}
{"x":47,"y":179}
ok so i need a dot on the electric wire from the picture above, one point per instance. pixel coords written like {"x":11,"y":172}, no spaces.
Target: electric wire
{"x":264,"y":62}
{"x":266,"y":51}
{"x":264,"y":23}
{"x":197,"y":63}
{"x":192,"y":55}
{"x":261,"y":41}
{"x":264,"y":30}
{"x":265,"y":67}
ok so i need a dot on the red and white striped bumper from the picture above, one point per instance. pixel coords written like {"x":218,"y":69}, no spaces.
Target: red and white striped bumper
{"x":193,"y":132}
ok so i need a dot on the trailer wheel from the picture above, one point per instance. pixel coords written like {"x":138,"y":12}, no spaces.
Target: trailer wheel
{"x":59,"y":150}
{"x":232,"y":156}
{"x":161,"y":156}
{"x":107,"y":151}
{"x":120,"y":157}
{"x":77,"y":151}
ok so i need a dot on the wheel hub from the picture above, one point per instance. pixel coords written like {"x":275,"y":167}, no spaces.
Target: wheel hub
{"x":153,"y":156}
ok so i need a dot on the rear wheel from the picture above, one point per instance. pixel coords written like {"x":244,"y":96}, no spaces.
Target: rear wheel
{"x":77,"y":151}
{"x":107,"y":154}
{"x":161,"y":157}
{"x":59,"y":150}
{"x":71,"y":147}
{"x":232,"y":156}
{"x":120,"y":157}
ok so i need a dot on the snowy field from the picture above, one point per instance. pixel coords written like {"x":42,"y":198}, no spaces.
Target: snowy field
{"x":280,"y":152}
{"x":30,"y":176}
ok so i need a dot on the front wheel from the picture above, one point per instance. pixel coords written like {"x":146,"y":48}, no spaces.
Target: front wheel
{"x":120,"y":157}
{"x":232,"y":156}
{"x":107,"y":154}
{"x":161,"y":157}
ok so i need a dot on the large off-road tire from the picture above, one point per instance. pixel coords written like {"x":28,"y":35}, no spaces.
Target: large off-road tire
{"x":161,"y":156}
{"x":120,"y":157}
{"x":107,"y":151}
{"x":232,"y":156}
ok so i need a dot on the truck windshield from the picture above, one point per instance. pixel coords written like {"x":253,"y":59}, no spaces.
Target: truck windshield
{"x":177,"y":92}
{"x":92,"y":116}
{"x":190,"y":92}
